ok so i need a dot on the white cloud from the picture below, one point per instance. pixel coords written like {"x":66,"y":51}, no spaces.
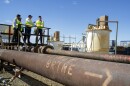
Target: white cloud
{"x":74,"y":2}
{"x":7,"y":1}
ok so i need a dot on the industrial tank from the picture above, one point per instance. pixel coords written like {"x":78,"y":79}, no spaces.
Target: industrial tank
{"x":97,"y":37}
{"x":57,"y":36}
{"x":98,"y":40}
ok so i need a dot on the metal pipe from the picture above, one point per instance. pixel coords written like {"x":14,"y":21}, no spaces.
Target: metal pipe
{"x":104,"y":57}
{"x":9,"y":33}
{"x":116,"y":38}
{"x":71,"y":71}
{"x":48,"y":35}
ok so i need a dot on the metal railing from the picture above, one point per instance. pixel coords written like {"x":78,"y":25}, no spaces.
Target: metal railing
{"x":9,"y":33}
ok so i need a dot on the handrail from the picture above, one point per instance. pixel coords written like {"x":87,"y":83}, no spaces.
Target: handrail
{"x":24,"y":25}
{"x":23,"y":34}
{"x":6,"y":24}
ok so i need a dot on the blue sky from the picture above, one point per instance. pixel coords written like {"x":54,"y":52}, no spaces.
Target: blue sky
{"x":70,"y":17}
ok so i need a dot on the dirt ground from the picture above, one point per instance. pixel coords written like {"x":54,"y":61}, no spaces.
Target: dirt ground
{"x":28,"y":78}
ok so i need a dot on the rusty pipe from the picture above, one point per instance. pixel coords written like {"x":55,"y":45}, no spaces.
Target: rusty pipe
{"x":71,"y":71}
{"x":94,"y":56}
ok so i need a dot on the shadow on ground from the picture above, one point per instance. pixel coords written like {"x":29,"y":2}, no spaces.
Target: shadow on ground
{"x":29,"y":80}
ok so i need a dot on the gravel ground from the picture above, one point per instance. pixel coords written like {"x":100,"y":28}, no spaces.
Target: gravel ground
{"x":28,"y":78}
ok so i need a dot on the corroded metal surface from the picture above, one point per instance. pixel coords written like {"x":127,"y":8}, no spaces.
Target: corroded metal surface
{"x":71,"y":71}
{"x":95,"y":56}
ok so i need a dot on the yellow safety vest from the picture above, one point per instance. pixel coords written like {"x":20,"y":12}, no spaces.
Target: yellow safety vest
{"x":29,"y":23}
{"x":17,"y":23}
{"x":39,"y":24}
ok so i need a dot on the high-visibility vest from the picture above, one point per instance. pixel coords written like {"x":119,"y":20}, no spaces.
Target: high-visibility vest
{"x":17,"y":23}
{"x":29,"y":23}
{"x":39,"y":24}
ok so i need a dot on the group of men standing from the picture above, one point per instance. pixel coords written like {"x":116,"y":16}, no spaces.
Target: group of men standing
{"x":18,"y":26}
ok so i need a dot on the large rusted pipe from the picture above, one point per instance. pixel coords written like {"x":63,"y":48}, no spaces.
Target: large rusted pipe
{"x":95,"y":56}
{"x":71,"y":71}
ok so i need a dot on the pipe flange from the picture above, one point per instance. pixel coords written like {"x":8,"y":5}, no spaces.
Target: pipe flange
{"x":44,"y":48}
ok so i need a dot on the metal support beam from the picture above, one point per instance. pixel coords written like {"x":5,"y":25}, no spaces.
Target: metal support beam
{"x":9,"y":33}
{"x":71,"y":71}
